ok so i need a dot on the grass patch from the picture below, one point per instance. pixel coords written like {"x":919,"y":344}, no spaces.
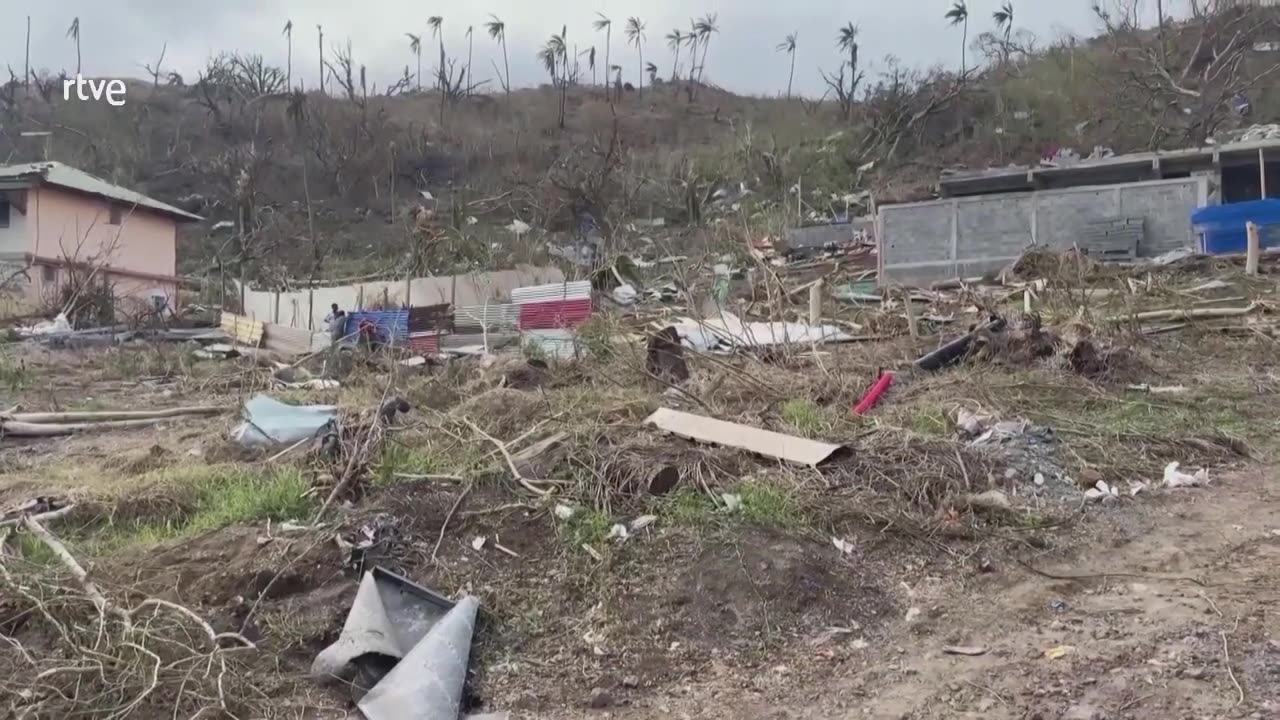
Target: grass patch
{"x":763,"y":503}
{"x":586,"y":527}
{"x":398,"y":458}
{"x":767,"y":504}
{"x":13,"y":375}
{"x":218,"y":496}
{"x":930,"y":425}
{"x":805,"y":417}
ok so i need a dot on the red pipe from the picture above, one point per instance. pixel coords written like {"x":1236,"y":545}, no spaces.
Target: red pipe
{"x":873,"y":395}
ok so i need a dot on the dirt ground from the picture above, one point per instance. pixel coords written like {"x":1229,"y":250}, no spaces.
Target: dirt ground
{"x":828,"y":593}
{"x":1171,"y":615}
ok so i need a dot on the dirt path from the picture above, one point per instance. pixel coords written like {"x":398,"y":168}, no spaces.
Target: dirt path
{"x":1142,"y":646}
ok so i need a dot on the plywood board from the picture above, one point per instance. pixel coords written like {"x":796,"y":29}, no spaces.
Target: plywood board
{"x":762,"y":442}
{"x":244,"y":330}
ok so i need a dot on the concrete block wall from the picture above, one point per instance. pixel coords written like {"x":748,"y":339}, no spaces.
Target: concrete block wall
{"x":966,"y":237}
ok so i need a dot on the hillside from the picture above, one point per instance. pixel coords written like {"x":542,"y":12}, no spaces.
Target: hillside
{"x":326,"y":186}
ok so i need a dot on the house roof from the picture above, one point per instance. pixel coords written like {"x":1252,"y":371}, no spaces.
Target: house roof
{"x":65,"y":176}
{"x":1109,"y":170}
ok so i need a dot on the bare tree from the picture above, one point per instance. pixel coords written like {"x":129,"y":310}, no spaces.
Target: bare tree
{"x":1185,"y":86}
{"x":155,"y":72}
{"x":26,"y":70}
{"x":788,"y":46}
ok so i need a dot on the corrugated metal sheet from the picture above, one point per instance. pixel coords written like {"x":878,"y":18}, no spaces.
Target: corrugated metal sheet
{"x":559,"y":314}
{"x":558,"y":344}
{"x":469,"y":320}
{"x":426,"y":343}
{"x":429,"y":317}
{"x":393,"y":325}
{"x":576,"y":290}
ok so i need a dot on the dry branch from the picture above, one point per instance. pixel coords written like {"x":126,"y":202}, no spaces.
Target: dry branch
{"x":110,"y":415}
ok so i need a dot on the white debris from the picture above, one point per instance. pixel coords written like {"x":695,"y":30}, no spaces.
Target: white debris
{"x":478,"y":542}
{"x":472,"y":220}
{"x":1038,"y":479}
{"x":643,"y":522}
{"x":222,"y":225}
{"x":426,"y":195}
{"x":1175,"y":478}
{"x":973,"y":423}
{"x":912,"y":614}
{"x":564,"y":512}
{"x":519,"y":227}
{"x":1102,"y":492}
{"x":619,"y":532}
{"x":625,"y":294}
{"x":732,"y":502}
{"x":844,"y":546}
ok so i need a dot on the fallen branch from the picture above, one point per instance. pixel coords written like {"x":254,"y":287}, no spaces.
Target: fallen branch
{"x":26,"y":429}
{"x":1193,"y":314}
{"x":445,"y":525}
{"x":511,"y":463}
{"x":42,"y":517}
{"x":87,"y":417}
{"x":77,"y":571}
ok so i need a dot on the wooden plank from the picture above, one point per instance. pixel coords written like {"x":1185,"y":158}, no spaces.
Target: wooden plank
{"x":763,"y":442}
{"x":245,"y":330}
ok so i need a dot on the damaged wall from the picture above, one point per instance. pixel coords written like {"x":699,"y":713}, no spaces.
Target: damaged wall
{"x":971,"y":236}
{"x":307,"y":308}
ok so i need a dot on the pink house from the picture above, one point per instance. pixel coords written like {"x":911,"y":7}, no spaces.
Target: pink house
{"x":60,"y":225}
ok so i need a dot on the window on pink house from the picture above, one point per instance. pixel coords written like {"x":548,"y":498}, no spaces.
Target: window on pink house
{"x":49,"y":273}
{"x":4,"y":213}
{"x":115,"y":215}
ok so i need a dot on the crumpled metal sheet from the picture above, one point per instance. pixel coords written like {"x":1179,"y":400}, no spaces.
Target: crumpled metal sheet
{"x":270,"y":422}
{"x":427,"y":639}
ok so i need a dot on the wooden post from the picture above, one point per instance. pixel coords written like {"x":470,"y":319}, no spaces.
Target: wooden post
{"x":815,"y":302}
{"x":1262,"y":175}
{"x":1255,"y":249}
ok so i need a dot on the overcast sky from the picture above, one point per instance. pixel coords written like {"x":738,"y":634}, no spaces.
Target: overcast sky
{"x":118,"y":36}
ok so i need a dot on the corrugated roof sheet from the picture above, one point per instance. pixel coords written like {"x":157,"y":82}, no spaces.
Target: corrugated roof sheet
{"x":576,"y":290}
{"x":392,"y":325}
{"x":470,"y":318}
{"x":56,"y":173}
{"x":559,"y":314}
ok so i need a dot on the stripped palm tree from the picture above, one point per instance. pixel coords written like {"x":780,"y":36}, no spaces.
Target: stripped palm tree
{"x":470,"y":50}
{"x":847,"y":40}
{"x":498,"y":31}
{"x":635,"y":35}
{"x":73,"y":32}
{"x":415,"y":47}
{"x":653,"y":73}
{"x":605,"y":24}
{"x":288,"y":33}
{"x":675,"y":41}
{"x":590,"y":54}
{"x":706,"y":27}
{"x":959,"y":15}
{"x":436,"y":23}
{"x":1004,"y":23}
{"x":320,"y":45}
{"x":789,"y":46}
